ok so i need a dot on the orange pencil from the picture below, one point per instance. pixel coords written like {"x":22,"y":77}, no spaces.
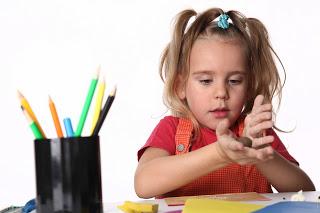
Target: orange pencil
{"x":27,"y":107}
{"x":55,"y":118}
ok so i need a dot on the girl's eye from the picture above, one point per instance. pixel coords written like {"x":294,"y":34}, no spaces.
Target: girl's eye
{"x":205,"y":81}
{"x":235,"y":81}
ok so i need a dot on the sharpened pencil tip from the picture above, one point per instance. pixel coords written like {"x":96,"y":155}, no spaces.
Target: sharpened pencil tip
{"x":97,"y":73}
{"x":102,"y":78}
{"x":114,"y":91}
{"x":20,"y":96}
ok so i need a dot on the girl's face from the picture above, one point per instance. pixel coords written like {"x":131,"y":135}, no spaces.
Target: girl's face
{"x":216,"y":88}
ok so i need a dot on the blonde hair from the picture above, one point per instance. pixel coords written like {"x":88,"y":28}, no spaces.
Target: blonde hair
{"x":250,"y":32}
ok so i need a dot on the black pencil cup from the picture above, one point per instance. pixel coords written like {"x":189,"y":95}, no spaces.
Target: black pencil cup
{"x":68,"y":175}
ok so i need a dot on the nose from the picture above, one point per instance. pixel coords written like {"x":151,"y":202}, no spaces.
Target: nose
{"x":221,"y":91}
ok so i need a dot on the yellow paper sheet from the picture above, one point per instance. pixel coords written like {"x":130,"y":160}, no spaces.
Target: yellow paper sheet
{"x":247,"y":196}
{"x":218,"y":206}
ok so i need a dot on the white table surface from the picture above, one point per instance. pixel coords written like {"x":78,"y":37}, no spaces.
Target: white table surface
{"x":275,"y":197}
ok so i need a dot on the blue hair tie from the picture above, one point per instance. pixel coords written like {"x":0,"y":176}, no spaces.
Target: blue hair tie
{"x":223,"y":21}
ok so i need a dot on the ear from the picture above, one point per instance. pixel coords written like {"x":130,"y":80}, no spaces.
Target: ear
{"x":181,"y":88}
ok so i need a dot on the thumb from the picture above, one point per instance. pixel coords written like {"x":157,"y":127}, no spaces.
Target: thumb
{"x":222,"y":128}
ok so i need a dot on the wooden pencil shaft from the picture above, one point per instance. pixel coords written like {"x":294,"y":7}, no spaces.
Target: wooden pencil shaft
{"x":103,"y":115}
{"x":55,"y":118}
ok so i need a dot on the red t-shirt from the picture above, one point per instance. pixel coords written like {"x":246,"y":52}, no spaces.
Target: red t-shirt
{"x":231,"y":179}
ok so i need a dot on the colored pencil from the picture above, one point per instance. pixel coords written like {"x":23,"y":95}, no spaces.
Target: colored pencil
{"x":104,"y":111}
{"x":27,"y":107}
{"x":87,"y":104}
{"x":68,"y":127}
{"x":36,"y":131}
{"x":55,"y":118}
{"x":98,"y":105}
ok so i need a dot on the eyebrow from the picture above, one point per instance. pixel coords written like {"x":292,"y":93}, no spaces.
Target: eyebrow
{"x":207,"y":72}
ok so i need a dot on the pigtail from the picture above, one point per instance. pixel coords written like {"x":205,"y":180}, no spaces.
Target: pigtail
{"x":170,"y":68}
{"x":172,"y":51}
{"x":267,"y":81}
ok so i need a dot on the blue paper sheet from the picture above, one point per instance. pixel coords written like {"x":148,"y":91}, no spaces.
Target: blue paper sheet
{"x":292,"y":207}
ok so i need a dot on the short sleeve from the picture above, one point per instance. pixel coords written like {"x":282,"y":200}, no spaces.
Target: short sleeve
{"x":280,"y":148}
{"x":163,"y":136}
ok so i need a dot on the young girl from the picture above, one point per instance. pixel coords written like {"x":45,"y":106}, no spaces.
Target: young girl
{"x":220,"y":77}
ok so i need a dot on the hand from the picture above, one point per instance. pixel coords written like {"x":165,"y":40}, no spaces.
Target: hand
{"x":257,"y":122}
{"x":233,"y":151}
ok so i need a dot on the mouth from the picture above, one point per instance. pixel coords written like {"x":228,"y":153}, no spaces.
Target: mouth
{"x":220,"y":112}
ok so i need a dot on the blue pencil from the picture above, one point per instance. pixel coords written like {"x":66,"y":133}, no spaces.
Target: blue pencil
{"x":68,"y":126}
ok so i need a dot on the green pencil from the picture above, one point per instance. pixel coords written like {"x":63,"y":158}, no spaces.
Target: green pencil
{"x":87,"y":103}
{"x":36,"y":131}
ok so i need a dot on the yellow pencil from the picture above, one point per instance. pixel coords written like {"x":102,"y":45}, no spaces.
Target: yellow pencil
{"x":27,"y":107}
{"x":55,"y":118}
{"x":98,"y":105}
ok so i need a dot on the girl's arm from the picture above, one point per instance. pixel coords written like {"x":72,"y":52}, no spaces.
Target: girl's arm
{"x":158,"y":173}
{"x":284,"y":175}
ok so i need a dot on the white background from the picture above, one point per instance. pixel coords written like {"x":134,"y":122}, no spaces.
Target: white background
{"x":53,"y":48}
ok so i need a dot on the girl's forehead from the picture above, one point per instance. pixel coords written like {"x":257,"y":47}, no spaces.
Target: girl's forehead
{"x":211,"y":54}
{"x":216,"y":41}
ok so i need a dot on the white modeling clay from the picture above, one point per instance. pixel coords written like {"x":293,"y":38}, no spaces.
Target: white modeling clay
{"x":298,"y":196}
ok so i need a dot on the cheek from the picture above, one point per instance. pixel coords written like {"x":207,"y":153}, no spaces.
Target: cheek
{"x":189,"y":93}
{"x":241,"y":98}
{"x":196,"y":99}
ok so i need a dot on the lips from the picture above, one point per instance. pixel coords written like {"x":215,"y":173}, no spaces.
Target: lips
{"x":220,"y":113}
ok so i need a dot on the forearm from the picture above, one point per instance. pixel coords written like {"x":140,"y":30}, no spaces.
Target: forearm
{"x":164,"y":174}
{"x":284,"y":175}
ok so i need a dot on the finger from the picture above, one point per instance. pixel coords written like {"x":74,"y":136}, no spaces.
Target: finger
{"x":250,"y":152}
{"x":261,"y":142}
{"x":258,"y":101}
{"x":264,"y":116}
{"x":260,"y":154}
{"x":265,"y":153}
{"x":222,"y":128}
{"x":262,"y":108}
{"x":259,"y":128}
{"x":235,"y":146}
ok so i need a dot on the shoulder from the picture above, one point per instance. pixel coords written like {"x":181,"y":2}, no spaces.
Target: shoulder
{"x":167,"y":123}
{"x":163,"y":135}
{"x":170,"y":120}
{"x":166,"y":126}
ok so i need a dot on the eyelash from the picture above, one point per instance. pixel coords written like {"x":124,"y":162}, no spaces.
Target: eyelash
{"x":231,"y":81}
{"x":205,"y":81}
{"x":235,"y":81}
